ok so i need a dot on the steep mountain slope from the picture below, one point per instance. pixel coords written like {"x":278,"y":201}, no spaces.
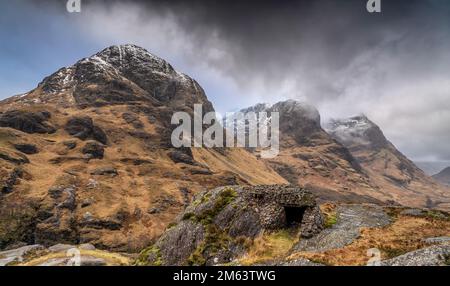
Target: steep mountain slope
{"x":311,"y":158}
{"x":396,"y":175}
{"x":443,"y":176}
{"x":86,"y":156}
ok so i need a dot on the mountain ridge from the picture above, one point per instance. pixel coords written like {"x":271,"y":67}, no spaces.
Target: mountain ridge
{"x":388,"y":167}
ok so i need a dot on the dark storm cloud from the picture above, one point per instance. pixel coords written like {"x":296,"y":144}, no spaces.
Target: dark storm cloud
{"x":393,"y":66}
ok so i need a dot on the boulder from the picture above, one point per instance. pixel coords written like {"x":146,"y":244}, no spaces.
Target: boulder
{"x":182,"y":156}
{"x":17,"y":255}
{"x":83,"y":128}
{"x":86,"y":246}
{"x":132,"y":119}
{"x":94,"y":149}
{"x":105,"y":171}
{"x":70,"y":144}
{"x":13,"y":157}
{"x":438,"y":255}
{"x":61,"y":247}
{"x":29,"y":149}
{"x":213,"y":228}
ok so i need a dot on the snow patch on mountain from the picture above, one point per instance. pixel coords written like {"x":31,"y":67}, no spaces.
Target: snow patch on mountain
{"x":350,"y":130}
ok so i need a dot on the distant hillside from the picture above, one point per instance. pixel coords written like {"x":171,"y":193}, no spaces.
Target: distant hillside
{"x":395,"y":175}
{"x":443,"y":176}
{"x":432,"y":167}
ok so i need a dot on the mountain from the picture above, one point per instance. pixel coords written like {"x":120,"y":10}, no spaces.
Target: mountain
{"x":443,"y":176}
{"x":397,"y":176}
{"x":311,"y":158}
{"x":86,"y":162}
{"x":86,"y":156}
{"x":432,"y":167}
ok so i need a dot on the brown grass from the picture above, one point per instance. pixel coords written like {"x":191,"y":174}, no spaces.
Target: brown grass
{"x":270,"y":246}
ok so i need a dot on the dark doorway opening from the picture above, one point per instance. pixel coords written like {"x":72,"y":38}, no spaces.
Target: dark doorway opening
{"x":294,"y":215}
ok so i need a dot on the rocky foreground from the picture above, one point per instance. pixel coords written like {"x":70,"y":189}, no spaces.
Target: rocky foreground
{"x":283,"y":225}
{"x":272,"y":225}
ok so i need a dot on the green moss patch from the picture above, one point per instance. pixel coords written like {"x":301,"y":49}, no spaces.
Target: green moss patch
{"x":215,"y":240}
{"x":143,"y":259}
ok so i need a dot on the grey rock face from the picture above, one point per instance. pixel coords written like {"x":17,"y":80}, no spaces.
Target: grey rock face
{"x":350,"y":219}
{"x":437,"y":240}
{"x":438,"y":255}
{"x":61,"y":247}
{"x":213,"y":227}
{"x":299,"y":262}
{"x":86,"y":246}
{"x":295,"y":262}
{"x":16,"y":255}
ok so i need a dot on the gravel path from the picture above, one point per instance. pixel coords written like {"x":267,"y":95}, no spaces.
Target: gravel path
{"x":350,"y":219}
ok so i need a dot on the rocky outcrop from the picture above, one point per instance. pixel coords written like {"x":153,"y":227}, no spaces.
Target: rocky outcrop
{"x":56,"y":217}
{"x":182,"y":156}
{"x":13,"y":157}
{"x":83,"y":128}
{"x":437,"y":255}
{"x":29,"y":122}
{"x":8,"y":182}
{"x":214,"y":227}
{"x":29,"y":149}
{"x":133,"y":120}
{"x":17,"y":255}
{"x":94,"y":150}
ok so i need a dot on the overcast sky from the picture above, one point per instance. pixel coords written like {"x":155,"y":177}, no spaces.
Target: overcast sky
{"x":393,"y":66}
